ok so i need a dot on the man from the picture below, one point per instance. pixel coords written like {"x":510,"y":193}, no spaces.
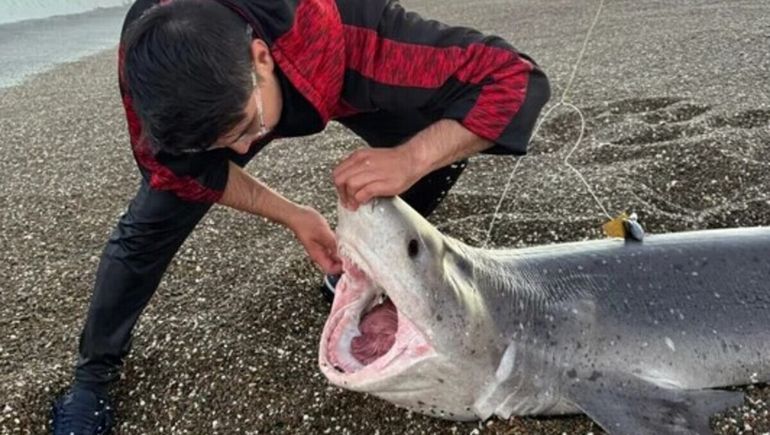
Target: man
{"x":206,"y":84}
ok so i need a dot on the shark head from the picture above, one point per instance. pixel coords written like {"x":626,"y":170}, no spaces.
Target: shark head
{"x":407,"y":324}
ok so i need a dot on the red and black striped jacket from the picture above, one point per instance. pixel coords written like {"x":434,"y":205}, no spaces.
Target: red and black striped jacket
{"x":340,"y":58}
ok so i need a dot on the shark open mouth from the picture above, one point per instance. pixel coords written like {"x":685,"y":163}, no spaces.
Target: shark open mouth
{"x":365,"y":330}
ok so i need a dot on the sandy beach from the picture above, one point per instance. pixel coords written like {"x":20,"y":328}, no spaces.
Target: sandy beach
{"x":676,"y":100}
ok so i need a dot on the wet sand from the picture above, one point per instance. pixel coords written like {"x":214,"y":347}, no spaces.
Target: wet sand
{"x":678,"y":129}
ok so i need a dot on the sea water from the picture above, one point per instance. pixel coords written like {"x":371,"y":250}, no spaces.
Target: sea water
{"x":12,"y":11}
{"x":35,"y":42}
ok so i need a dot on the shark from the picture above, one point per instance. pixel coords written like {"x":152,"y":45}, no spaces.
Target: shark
{"x":643,"y":337}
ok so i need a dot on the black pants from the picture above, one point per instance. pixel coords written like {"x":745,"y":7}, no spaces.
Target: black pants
{"x":156,"y":224}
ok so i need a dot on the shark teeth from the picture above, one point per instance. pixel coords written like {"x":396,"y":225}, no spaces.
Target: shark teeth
{"x":359,"y":270}
{"x":378,"y":299}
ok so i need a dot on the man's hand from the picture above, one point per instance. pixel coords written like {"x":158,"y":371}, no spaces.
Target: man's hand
{"x":371,"y":172}
{"x":312,"y":230}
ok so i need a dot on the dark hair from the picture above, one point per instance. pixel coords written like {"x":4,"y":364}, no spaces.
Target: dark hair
{"x":187,"y":66}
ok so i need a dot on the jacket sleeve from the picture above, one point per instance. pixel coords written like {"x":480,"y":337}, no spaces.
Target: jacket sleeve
{"x":411,"y":64}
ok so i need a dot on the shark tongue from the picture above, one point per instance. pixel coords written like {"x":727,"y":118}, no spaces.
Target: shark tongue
{"x":378,"y":333}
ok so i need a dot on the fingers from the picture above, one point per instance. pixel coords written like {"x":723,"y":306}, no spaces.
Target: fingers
{"x":318,"y":239}
{"x":356,"y":184}
{"x":328,"y":265}
{"x":341,"y":174}
{"x":354,"y":180}
{"x":334,"y":267}
{"x":369,"y":173}
{"x":325,"y":255}
{"x":353,"y":172}
{"x":327,"y":260}
{"x":371,"y":190}
{"x":327,"y":240}
{"x":319,"y":256}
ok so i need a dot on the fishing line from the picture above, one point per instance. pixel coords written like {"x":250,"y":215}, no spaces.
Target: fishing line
{"x":562,"y":102}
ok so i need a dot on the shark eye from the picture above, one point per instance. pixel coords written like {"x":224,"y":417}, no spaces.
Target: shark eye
{"x":413,"y":248}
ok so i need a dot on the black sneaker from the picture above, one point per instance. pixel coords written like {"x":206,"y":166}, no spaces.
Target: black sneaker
{"x":327,"y":287}
{"x":82,"y":411}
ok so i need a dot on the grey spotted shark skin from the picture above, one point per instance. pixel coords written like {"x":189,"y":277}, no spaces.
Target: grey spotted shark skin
{"x":638,"y":336}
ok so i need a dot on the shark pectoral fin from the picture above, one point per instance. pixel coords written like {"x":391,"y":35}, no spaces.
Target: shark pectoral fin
{"x":624,"y":404}
{"x":498,"y":388}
